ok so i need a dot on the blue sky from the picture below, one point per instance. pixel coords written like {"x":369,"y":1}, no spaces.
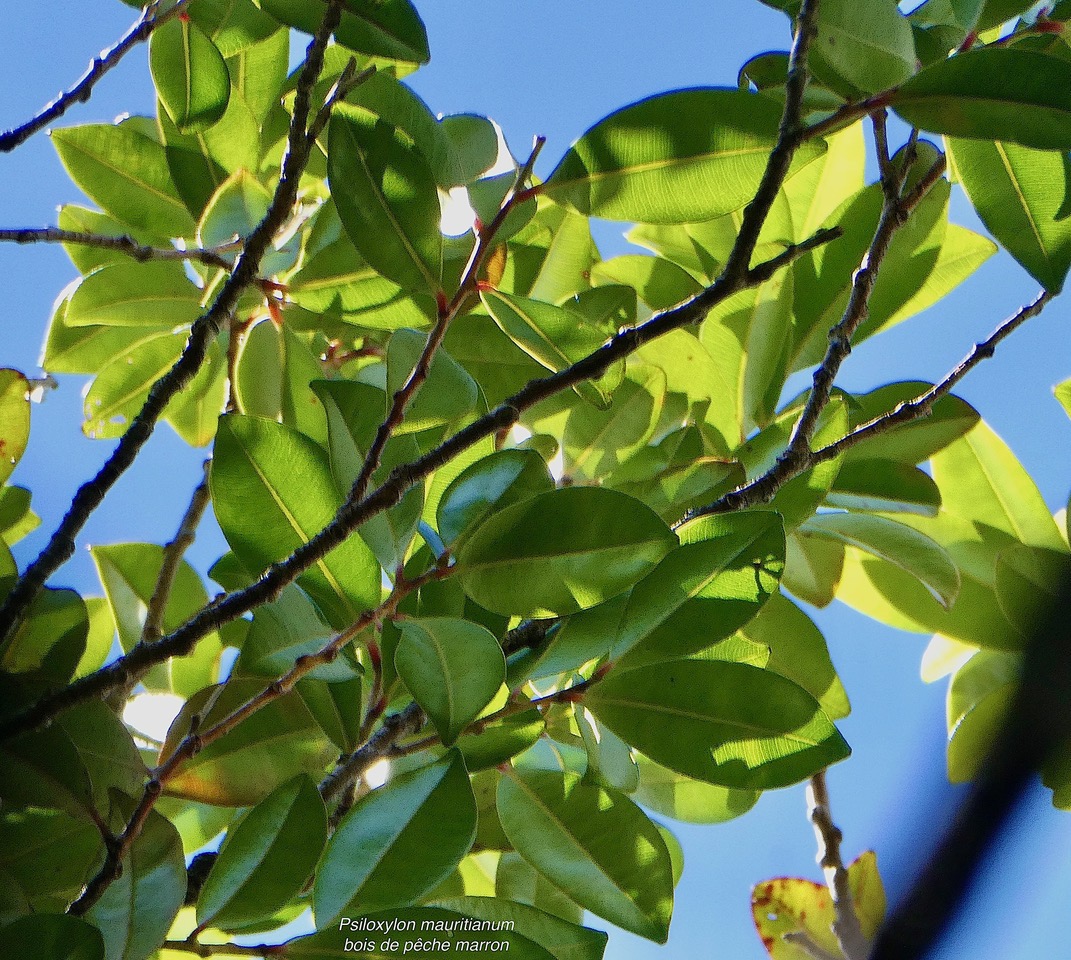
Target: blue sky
{"x":553,"y":68}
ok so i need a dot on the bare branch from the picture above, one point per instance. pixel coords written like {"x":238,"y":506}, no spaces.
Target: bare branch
{"x":173,"y":554}
{"x":214,"y":257}
{"x":923,"y":404}
{"x":225,"y":949}
{"x":150,"y":19}
{"x":846,"y":928}
{"x":348,"y":80}
{"x":390,"y":492}
{"x":89,"y":496}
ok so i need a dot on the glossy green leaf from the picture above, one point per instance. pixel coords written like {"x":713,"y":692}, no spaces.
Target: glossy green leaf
{"x":724,"y":570}
{"x":52,"y":937}
{"x":724,"y":723}
{"x":190,"y":74}
{"x":517,"y":881}
{"x":610,"y":760}
{"x":42,"y":768}
{"x":275,"y":370}
{"x":387,"y":199}
{"x":50,"y":640}
{"x":906,"y":548}
{"x":678,"y":157}
{"x":242,"y":767}
{"x":561,"y":551}
{"x":14,"y":419}
{"x":398,"y":842}
{"x":266,"y":857}
{"x":105,"y":749}
{"x":492,"y":483}
{"x":16,"y":517}
{"x":556,"y":337}
{"x":674,"y":795}
{"x":995,"y":93}
{"x":117,"y":395}
{"x":233,"y":25}
{"x":129,"y":573}
{"x":562,"y":940}
{"x":452,"y":668}
{"x":136,"y":910}
{"x":881,"y":484}
{"x":497,"y":742}
{"x":382,"y":28}
{"x":866,"y":46}
{"x":798,"y":651}
{"x":448,"y":394}
{"x":287,"y":476}
{"x":571,"y":832}
{"x":1011,"y":188}
{"x":125,"y":173}
{"x":131,"y":294}
{"x":234,"y":211}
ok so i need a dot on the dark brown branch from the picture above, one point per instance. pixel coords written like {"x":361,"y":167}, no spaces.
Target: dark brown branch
{"x":390,"y":492}
{"x":173,"y":554}
{"x":225,"y":949}
{"x":89,"y":496}
{"x":846,"y":927}
{"x":447,"y":312}
{"x":348,"y":80}
{"x":798,"y":455}
{"x":923,"y":404}
{"x":127,"y":245}
{"x":149,"y":20}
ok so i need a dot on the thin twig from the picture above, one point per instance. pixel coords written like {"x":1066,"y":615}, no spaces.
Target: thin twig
{"x":89,"y":496}
{"x":390,"y":492}
{"x":846,"y":927}
{"x":923,"y":404}
{"x":225,"y":949}
{"x":348,"y":80}
{"x":447,"y":312}
{"x":214,"y":256}
{"x":142,"y":29}
{"x":152,"y":630}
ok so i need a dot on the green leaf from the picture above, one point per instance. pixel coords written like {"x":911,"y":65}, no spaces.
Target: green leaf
{"x":119,"y":392}
{"x":16,"y":517}
{"x":52,"y":937}
{"x":131,"y":294}
{"x":272,"y":491}
{"x":672,"y":794}
{"x":125,"y":173}
{"x":995,"y":93}
{"x":274,"y":372}
{"x":448,"y":394}
{"x":556,"y":337}
{"x":571,"y":832}
{"x":106,"y":749}
{"x":270,"y":747}
{"x":678,"y":157}
{"x":14,"y":419}
{"x":491,"y":483}
{"x":906,"y":548}
{"x":517,"y":881}
{"x":724,"y":570}
{"x":266,"y":857}
{"x":398,"y":842}
{"x":1012,"y":189}
{"x":381,"y":28}
{"x":596,"y":441}
{"x":136,"y":910}
{"x":386,"y":197}
{"x":194,"y":413}
{"x":48,"y":856}
{"x":42,"y":768}
{"x":129,"y":574}
{"x":868,"y":46}
{"x":234,"y":211}
{"x":881,"y":484}
{"x":50,"y":640}
{"x":190,"y":74}
{"x":452,"y":668}
{"x":798,"y":651}
{"x":561,"y":939}
{"x":724,"y":723}
{"x":561,"y":551}
{"x":233,"y":25}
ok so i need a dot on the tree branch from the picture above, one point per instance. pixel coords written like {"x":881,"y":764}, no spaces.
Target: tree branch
{"x":225,"y":949}
{"x":352,"y":515}
{"x":143,"y":27}
{"x":89,"y":496}
{"x":125,"y":244}
{"x":846,"y":928}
